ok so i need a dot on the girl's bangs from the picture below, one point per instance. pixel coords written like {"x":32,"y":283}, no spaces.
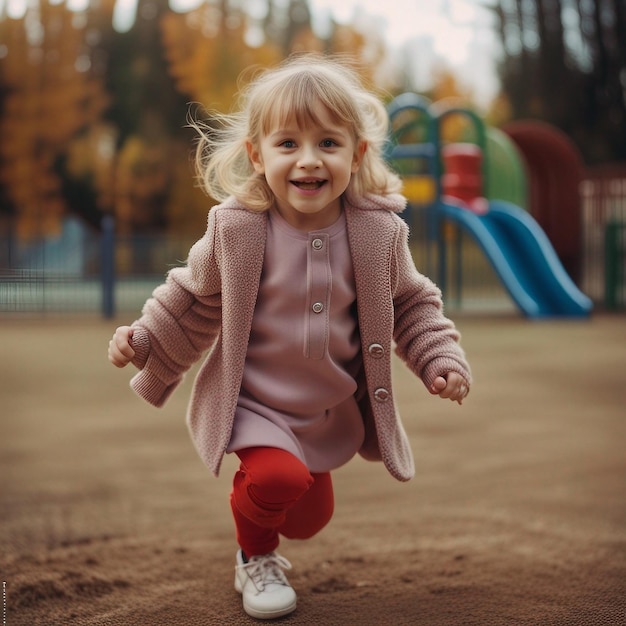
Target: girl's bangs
{"x":301,"y":102}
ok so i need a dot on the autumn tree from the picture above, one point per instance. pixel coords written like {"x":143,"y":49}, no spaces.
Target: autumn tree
{"x":564,"y":62}
{"x":94,"y":120}
{"x":52,"y":94}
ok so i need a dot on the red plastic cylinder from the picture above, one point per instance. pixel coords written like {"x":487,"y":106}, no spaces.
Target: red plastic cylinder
{"x":463,"y":179}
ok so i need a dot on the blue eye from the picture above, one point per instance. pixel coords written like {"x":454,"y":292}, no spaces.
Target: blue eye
{"x":288,"y":143}
{"x":328,"y":143}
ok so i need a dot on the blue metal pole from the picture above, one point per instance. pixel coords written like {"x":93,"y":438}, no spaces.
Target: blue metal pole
{"x":108,"y":266}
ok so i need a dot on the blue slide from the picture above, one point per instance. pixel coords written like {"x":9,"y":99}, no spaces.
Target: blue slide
{"x":524,"y":259}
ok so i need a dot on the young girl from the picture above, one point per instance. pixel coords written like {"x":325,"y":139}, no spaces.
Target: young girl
{"x":296,"y":292}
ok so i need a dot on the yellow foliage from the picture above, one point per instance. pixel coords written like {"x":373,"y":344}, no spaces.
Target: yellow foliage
{"x":54,"y":113}
{"x":48,"y":103}
{"x":206,"y":63}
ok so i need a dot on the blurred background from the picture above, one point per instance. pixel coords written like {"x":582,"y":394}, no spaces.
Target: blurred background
{"x":97,"y":194}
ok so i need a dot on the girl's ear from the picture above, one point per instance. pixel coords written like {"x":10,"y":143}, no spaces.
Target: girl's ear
{"x":357,"y":157}
{"x":255,"y":157}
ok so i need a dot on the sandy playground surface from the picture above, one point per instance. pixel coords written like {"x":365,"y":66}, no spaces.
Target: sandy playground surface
{"x":517,"y":514}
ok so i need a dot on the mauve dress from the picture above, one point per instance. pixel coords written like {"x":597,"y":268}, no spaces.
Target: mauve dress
{"x":298,"y":389}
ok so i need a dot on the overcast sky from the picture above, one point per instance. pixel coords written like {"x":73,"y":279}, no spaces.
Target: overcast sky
{"x":456,"y":32}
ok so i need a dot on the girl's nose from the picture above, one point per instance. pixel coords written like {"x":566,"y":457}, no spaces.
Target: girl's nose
{"x":309,"y":158}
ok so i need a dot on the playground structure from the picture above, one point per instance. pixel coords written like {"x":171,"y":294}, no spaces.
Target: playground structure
{"x":480,"y":187}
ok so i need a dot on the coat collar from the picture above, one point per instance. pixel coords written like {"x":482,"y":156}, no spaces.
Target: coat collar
{"x":394,"y":202}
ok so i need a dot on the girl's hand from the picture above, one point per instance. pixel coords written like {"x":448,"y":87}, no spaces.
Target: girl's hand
{"x":453,"y":387}
{"x":120,"y":348}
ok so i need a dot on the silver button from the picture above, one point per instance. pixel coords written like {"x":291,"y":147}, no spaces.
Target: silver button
{"x":317,"y":244}
{"x":381,"y":394}
{"x":376,"y":350}
{"x":318,"y":307}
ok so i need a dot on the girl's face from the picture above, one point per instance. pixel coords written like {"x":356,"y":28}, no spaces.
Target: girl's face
{"x":308,"y":168}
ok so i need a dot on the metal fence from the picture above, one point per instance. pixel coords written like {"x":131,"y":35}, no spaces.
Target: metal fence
{"x":84,"y":271}
{"x":118,"y":275}
{"x":87,"y":271}
{"x":603,"y":195}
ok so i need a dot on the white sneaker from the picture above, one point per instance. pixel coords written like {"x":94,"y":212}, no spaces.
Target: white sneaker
{"x":265,"y":589}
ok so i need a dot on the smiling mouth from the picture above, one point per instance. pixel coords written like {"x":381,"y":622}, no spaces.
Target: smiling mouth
{"x":308,"y":185}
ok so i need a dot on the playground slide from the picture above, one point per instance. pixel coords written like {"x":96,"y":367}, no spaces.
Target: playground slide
{"x":523,"y":258}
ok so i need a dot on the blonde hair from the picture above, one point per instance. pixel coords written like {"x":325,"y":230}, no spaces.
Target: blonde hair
{"x":292,"y":89}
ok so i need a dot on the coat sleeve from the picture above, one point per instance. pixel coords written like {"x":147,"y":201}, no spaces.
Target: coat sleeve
{"x":179,"y":322}
{"x":426,"y":340}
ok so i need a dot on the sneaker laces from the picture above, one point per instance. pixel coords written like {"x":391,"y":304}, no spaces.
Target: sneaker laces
{"x":266,"y":569}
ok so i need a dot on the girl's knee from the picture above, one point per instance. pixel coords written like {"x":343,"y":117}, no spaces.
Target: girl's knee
{"x":275,"y":476}
{"x":280,"y":488}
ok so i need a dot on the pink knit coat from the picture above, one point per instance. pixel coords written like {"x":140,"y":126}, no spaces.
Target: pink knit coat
{"x":207,"y":307}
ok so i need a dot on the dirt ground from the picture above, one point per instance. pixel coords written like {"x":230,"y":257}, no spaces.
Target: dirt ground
{"x":517,"y":514}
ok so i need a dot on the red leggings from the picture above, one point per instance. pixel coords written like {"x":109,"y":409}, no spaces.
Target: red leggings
{"x":274,"y":493}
